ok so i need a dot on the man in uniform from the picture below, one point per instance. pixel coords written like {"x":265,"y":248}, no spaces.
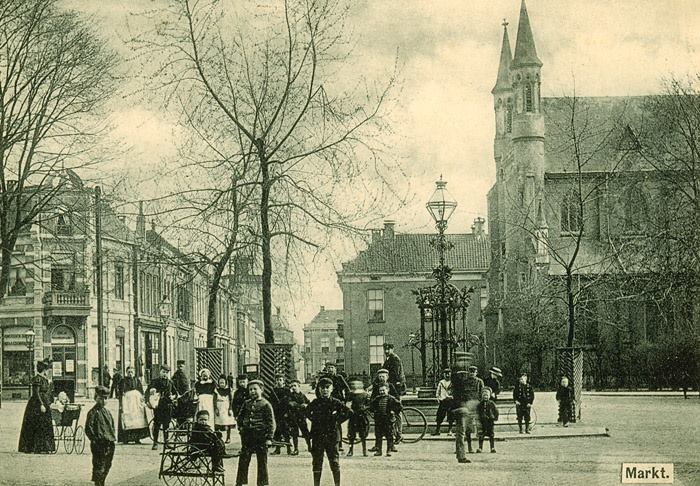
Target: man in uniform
{"x":181,"y":383}
{"x":164,"y":410}
{"x":392,"y":363}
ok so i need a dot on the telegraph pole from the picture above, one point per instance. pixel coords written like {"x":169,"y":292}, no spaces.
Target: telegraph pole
{"x":98,"y":276}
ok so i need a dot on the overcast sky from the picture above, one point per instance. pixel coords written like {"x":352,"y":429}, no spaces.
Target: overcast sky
{"x":449,"y":50}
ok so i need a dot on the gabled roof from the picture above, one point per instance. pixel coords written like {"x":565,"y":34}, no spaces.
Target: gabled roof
{"x":413,"y":254}
{"x":325,"y":318}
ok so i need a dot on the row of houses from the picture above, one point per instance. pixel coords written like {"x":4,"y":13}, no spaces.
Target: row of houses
{"x":155,"y":299}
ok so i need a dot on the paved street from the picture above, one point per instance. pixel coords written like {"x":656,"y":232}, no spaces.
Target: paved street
{"x":643,"y":429}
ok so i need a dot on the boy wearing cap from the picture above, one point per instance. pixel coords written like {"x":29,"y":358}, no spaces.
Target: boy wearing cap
{"x":358,"y":425}
{"x":523,"y":396}
{"x":256,"y":422}
{"x":382,"y":379}
{"x":326,"y":414}
{"x":443,"y":394}
{"x":296,"y":419}
{"x":279,"y":399}
{"x":386,"y":410}
{"x":203,"y":438}
{"x":163,"y":387}
{"x":99,"y":428}
{"x":488,"y":414}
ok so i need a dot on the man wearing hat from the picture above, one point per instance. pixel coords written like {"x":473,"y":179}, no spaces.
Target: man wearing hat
{"x":392,"y":363}
{"x":183,"y":410}
{"x":492,"y":382}
{"x":99,"y":428}
{"x":163,"y":389}
{"x":117,"y":379}
{"x":180,"y":380}
{"x":466,"y":393}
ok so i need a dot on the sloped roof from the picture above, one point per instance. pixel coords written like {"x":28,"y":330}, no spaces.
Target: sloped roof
{"x":326,"y":317}
{"x":412,"y":253}
{"x":525,"y":51}
{"x":503,"y":78}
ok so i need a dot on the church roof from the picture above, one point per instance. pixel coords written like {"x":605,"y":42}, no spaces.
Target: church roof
{"x":503,"y":78}
{"x":525,"y":51}
{"x":413,"y":254}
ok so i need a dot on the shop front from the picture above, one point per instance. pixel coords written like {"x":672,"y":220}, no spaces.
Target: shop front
{"x":17,"y":363}
{"x":64,"y":360}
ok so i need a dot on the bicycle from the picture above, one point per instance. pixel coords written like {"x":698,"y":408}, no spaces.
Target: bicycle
{"x":414,"y":426}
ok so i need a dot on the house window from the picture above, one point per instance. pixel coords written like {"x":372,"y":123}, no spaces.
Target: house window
{"x":635,"y":210}
{"x":376,"y":349}
{"x":18,"y":287}
{"x":375,"y":304}
{"x":339,"y":345}
{"x":509,"y":116}
{"x":119,"y":281}
{"x":325,"y":344}
{"x":62,"y":278}
{"x":570,"y":213}
{"x":528,"y":98}
{"x":63,"y":225}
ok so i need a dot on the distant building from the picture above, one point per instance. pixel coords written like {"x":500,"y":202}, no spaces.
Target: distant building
{"x":323,"y":341}
{"x":378,"y":305}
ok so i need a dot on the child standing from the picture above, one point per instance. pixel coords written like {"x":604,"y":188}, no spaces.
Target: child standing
{"x":444,"y":398}
{"x":240,"y":395}
{"x":296,"y":420}
{"x":523,"y":396}
{"x":256,"y":423}
{"x":386,"y":408}
{"x":279,"y":399}
{"x":326,"y":414}
{"x":203,"y":438}
{"x":358,"y":426}
{"x":99,"y":428}
{"x":488,"y":414}
{"x":565,"y":399}
{"x":223,"y":404}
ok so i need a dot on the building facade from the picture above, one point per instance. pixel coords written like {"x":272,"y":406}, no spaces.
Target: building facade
{"x":379,"y":306}
{"x":323,"y":341}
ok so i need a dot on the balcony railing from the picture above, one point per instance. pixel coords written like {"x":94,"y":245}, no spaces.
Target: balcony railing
{"x":67,"y":298}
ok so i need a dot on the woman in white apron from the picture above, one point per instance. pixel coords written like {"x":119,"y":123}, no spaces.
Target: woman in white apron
{"x":132,"y":419}
{"x":205,"y":389}
{"x":224,"y":408}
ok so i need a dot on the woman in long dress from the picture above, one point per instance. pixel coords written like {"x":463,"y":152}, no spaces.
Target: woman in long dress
{"x":36,"y":436}
{"x":132,"y":422}
{"x":224,"y":408}
{"x":205,"y":389}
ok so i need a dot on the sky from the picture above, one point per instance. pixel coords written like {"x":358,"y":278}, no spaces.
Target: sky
{"x":443,"y":124}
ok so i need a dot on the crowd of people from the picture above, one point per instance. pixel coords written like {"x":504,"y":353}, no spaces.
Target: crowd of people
{"x":466,"y":401}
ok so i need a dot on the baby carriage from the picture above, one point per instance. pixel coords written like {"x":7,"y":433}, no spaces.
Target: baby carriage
{"x":65,"y":418}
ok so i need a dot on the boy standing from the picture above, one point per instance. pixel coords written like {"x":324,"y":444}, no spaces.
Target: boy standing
{"x":444,"y":398}
{"x":296,"y":419}
{"x":99,"y":428}
{"x":164,"y":388}
{"x":488,"y":414}
{"x":326,"y":414}
{"x":279,"y":399}
{"x":386,"y":408}
{"x":565,"y":399}
{"x":256,"y":423}
{"x":240,"y":395}
{"x":203,"y":438}
{"x":359,"y":421}
{"x":523,"y":396}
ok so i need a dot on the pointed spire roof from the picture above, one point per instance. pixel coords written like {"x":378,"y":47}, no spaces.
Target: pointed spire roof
{"x":503,"y":78}
{"x":525,"y":52}
{"x":541,"y":220}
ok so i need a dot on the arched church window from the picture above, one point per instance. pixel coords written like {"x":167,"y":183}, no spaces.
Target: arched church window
{"x":528,"y":98}
{"x":571,"y":213}
{"x":635,"y":209}
{"x":509,"y":116}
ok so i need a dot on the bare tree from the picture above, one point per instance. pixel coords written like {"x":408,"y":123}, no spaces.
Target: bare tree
{"x":54,"y":75}
{"x":273,"y":82}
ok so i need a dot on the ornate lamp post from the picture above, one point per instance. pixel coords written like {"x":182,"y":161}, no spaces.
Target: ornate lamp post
{"x":29,"y":337}
{"x":164,"y":313}
{"x":441,"y":205}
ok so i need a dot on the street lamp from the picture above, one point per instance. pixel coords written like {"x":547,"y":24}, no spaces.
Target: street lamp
{"x":29,"y":337}
{"x":412,"y":342}
{"x":164,"y":313}
{"x":441,"y":205}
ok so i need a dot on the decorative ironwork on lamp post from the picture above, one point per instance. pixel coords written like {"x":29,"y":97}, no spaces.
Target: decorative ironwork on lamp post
{"x":29,"y":337}
{"x":443,"y":306}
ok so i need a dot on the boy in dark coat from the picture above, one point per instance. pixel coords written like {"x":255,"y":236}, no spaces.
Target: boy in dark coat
{"x":565,"y":399}
{"x":488,"y":414}
{"x":358,"y":426}
{"x":256,"y":423}
{"x":523,"y":396}
{"x":99,"y":428}
{"x":163,"y":413}
{"x":326,"y":414}
{"x":296,"y":420}
{"x":386,"y":409}
{"x":206,"y":440}
{"x":240,"y":395}
{"x":279,"y":399}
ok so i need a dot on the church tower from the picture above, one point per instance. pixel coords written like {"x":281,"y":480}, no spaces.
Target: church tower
{"x":503,"y":101}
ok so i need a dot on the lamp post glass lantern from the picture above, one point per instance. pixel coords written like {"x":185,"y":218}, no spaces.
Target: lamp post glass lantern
{"x":164,"y":312}
{"x":29,"y":337}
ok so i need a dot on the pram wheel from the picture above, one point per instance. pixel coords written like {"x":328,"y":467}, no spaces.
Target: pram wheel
{"x":68,"y":439}
{"x":79,"y":440}
{"x":56,"y":437}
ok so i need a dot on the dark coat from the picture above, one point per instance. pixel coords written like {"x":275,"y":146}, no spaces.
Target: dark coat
{"x":325,"y":414}
{"x":181,"y":382}
{"x":488,"y":413}
{"x":523,"y":394}
{"x":396,"y":375}
{"x":164,"y":410}
{"x":565,"y":394}
{"x":36,"y":435}
{"x":257,"y":418}
{"x":239,"y":398}
{"x":340,"y":386}
{"x":392,"y":390}
{"x":466,"y":388}
{"x":494,"y":384}
{"x":383,"y":406}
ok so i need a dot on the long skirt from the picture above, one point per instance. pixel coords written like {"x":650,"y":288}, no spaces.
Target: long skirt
{"x":133,"y":424}
{"x":223,"y":419}
{"x":36,"y":436}
{"x":206,"y":402}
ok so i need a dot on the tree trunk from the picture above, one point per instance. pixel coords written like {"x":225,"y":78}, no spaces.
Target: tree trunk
{"x":214,"y":290}
{"x":571,"y":309}
{"x":5,"y":262}
{"x":266,"y":237}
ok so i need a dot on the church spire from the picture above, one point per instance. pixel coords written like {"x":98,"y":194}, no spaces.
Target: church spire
{"x":503,"y":78}
{"x":525,"y":52}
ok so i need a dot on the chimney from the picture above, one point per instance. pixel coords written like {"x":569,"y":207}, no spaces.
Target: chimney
{"x":323,"y":307}
{"x":478,"y":226}
{"x":141,"y":222}
{"x":376,"y":235}
{"x":389,"y":229}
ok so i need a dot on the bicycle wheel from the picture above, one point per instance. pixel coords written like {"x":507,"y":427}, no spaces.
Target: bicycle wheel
{"x":68,"y":439}
{"x":79,"y":440}
{"x":414,"y":425}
